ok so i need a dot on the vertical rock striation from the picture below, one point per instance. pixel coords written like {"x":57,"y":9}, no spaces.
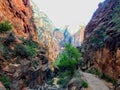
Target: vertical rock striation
{"x":102,"y":38}
{"x":45,"y":29}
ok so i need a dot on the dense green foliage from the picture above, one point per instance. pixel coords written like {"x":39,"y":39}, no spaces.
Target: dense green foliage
{"x":24,"y":51}
{"x":27,"y":49}
{"x":5,"y":80}
{"x":67,"y":64}
{"x":68,"y":60}
{"x":84,"y":84}
{"x":5,"y":26}
{"x":31,"y":43}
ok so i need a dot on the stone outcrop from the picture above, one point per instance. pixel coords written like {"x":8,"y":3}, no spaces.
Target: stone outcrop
{"x":18,"y":13}
{"x":102,"y":38}
{"x":22,"y":71}
{"x":45,"y":29}
{"x":79,"y":37}
{"x":2,"y":86}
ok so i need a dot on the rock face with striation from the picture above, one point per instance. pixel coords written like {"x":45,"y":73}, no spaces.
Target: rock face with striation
{"x":23,"y":62}
{"x":79,"y":36}
{"x":19,"y":70}
{"x":102,"y":38}
{"x":18,"y":13}
{"x":45,"y":29}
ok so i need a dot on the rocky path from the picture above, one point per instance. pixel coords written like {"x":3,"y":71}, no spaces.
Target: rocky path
{"x":94,"y":82}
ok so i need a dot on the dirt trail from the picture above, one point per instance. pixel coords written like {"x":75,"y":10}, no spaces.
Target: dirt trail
{"x":94,"y":82}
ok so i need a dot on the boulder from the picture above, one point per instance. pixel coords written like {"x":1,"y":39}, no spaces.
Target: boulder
{"x":2,"y":87}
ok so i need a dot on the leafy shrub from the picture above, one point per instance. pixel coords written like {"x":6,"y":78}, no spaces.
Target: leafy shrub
{"x":5,"y":26}
{"x":5,"y":80}
{"x":51,"y":82}
{"x":68,"y":60}
{"x":63,"y":81}
{"x":24,"y":51}
{"x":84,"y":84}
{"x":67,"y":64}
{"x":30,"y":43}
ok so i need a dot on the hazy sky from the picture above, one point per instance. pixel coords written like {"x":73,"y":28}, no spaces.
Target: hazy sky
{"x":68,"y":12}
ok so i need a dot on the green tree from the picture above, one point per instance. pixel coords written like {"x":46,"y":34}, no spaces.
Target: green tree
{"x":5,"y":26}
{"x":68,"y":60}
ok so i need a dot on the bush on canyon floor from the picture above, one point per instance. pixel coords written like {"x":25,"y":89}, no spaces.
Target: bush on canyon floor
{"x":5,"y":80}
{"x":24,"y":51}
{"x":67,"y":63}
{"x":84,"y":84}
{"x":64,"y":81}
{"x":5,"y":26}
{"x":68,"y":60}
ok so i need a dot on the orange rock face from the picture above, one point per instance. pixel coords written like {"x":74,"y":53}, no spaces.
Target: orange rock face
{"x":18,"y":13}
{"x":108,"y":63}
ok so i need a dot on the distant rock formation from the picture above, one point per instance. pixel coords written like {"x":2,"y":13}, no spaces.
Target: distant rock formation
{"x":63,"y":36}
{"x":79,"y":37}
{"x":45,"y":29}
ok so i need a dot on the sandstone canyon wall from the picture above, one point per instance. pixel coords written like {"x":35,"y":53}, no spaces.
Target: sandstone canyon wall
{"x":45,"y":28}
{"x":24,"y":62}
{"x":19,"y":14}
{"x":79,"y":37}
{"x":102,"y":38}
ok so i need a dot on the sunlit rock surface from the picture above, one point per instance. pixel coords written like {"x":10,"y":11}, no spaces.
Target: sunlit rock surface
{"x":79,"y":37}
{"x":18,"y":13}
{"x":45,"y":29}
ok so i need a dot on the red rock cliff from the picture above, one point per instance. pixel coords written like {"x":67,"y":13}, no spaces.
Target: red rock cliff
{"x":18,"y":12}
{"x":102,"y":38}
